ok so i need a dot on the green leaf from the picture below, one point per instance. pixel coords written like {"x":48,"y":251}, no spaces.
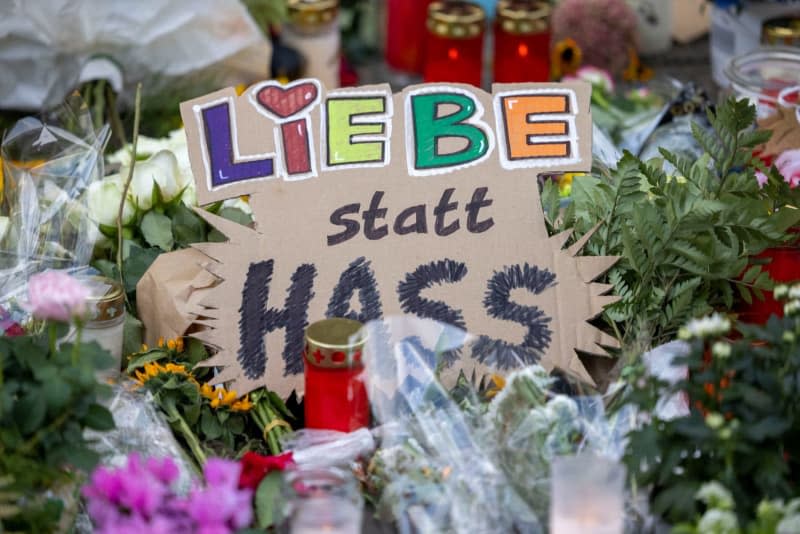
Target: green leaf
{"x":29,"y":411}
{"x":770,"y":427}
{"x":209,"y":424}
{"x":152,"y":355}
{"x":157,"y":230}
{"x":132,"y":335}
{"x":57,"y":394}
{"x":236,"y":215}
{"x":137,"y":264}
{"x":187,"y":227}
{"x":98,"y":418}
{"x":266,"y":498}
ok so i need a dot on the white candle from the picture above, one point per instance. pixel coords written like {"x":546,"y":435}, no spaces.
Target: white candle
{"x":587,"y":496}
{"x":329,"y":514}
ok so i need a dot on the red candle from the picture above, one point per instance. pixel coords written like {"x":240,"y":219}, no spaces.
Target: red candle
{"x":522,"y":41}
{"x":405,"y":35}
{"x":335,"y":392}
{"x":454,"y":51}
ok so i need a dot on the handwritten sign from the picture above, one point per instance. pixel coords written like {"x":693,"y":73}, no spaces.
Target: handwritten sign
{"x":369,"y":203}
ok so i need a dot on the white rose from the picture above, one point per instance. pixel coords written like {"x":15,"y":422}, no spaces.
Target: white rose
{"x":160,"y":170}
{"x":103,"y":198}
{"x":189,"y":197}
{"x":144,"y":147}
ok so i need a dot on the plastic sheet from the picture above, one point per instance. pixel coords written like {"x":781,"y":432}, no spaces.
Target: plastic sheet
{"x":140,"y":428}
{"x":47,"y":47}
{"x":450,"y":462}
{"x":49,"y":164}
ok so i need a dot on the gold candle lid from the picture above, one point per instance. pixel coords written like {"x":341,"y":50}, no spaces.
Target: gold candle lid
{"x":456,"y":19}
{"x":312,"y":13}
{"x":335,"y":343}
{"x":781,"y":31}
{"x":523,"y":17}
{"x":106,"y":301}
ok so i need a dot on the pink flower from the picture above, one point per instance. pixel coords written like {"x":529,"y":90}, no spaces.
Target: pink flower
{"x":56,"y":295}
{"x":762,"y":179}
{"x":164,"y":470}
{"x":788,"y":165}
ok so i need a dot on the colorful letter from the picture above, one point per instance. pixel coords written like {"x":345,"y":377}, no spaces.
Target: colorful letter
{"x":290,"y":106}
{"x":222,"y":154}
{"x":536,"y":128}
{"x":426,"y":127}
{"x":357,"y":130}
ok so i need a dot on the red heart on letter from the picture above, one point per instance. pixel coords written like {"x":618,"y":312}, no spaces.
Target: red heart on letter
{"x":284,"y":103}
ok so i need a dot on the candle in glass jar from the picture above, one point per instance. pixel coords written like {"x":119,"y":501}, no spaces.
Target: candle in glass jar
{"x":106,"y":320}
{"x":313,"y":30}
{"x":405,"y":34}
{"x":322,"y":499}
{"x":587,"y":495}
{"x":335,"y":392}
{"x":454,"y":51}
{"x":522,"y":41}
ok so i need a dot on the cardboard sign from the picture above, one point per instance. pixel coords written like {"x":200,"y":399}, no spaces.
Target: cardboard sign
{"x":369,"y":203}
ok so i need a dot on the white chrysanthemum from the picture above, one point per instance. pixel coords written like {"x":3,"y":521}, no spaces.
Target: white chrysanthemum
{"x":713,"y":325}
{"x":721,"y":350}
{"x":780,"y":292}
{"x":794,"y":292}
{"x":562,"y":408}
{"x":715,"y":495}
{"x":718,"y":522}
{"x":714,"y":421}
{"x":791,"y":308}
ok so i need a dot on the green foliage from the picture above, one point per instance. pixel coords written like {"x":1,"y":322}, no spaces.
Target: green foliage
{"x":743,"y":429}
{"x":684,"y":241}
{"x":48,"y":397}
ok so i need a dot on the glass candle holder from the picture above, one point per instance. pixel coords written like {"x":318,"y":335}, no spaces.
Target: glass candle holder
{"x":106,"y":320}
{"x":522,"y":41}
{"x":335,"y":392}
{"x":405,"y":34}
{"x":587,"y":495}
{"x":321,"y":500}
{"x":762,"y":75}
{"x":313,"y":30}
{"x":454,"y":50}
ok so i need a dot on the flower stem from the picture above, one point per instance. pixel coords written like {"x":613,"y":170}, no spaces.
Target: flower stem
{"x":51,"y":334}
{"x":188,"y":435}
{"x":76,"y":346}
{"x":137,"y":111}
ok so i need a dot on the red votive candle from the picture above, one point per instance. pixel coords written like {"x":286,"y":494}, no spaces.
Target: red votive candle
{"x":335,"y":392}
{"x":454,"y":51}
{"x":405,"y":34}
{"x":522,"y":41}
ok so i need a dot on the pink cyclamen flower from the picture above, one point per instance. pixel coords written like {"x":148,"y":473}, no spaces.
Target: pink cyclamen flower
{"x":596,"y":76}
{"x":56,"y":295}
{"x":788,"y":165}
{"x":762,"y":179}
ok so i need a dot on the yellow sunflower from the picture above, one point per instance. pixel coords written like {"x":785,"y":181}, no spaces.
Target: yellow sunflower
{"x":565,"y":58}
{"x":221,"y":397}
{"x":155,"y":369}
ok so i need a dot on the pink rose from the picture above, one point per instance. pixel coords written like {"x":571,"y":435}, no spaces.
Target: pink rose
{"x":788,"y":165}
{"x":56,"y":295}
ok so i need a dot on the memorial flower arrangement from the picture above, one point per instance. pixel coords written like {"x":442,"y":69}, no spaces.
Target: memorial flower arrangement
{"x":741,"y":427}
{"x":211,"y":420}
{"x":685,"y":240}
{"x":48,"y":396}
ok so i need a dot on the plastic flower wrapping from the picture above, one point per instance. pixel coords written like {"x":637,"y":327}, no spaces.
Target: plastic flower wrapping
{"x":461,"y":453}
{"x":49,"y":165}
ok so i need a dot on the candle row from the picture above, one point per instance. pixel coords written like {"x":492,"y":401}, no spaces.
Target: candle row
{"x":444,"y":40}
